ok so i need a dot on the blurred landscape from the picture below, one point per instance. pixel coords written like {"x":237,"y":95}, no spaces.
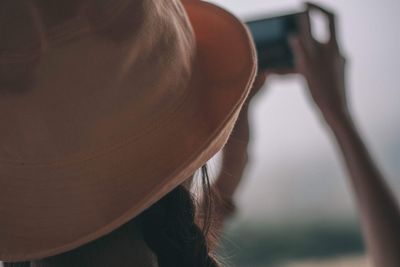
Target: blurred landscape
{"x":260,"y":245}
{"x":340,"y":262}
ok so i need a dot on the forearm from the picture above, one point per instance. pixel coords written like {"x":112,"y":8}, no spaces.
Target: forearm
{"x":379,"y":213}
{"x":234,"y":157}
{"x":231,"y":173}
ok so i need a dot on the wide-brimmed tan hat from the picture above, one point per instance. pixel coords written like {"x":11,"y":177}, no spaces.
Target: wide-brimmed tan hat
{"x":105,"y":107}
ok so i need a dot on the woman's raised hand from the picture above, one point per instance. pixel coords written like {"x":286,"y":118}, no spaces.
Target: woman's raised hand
{"x":322,"y":65}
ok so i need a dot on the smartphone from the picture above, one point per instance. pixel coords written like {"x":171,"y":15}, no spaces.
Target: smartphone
{"x":271,"y":37}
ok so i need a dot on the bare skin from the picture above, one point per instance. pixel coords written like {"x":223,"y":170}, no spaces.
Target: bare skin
{"x":323,"y":67}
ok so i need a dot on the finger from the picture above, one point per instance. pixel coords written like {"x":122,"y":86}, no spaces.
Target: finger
{"x":258,"y":83}
{"x":331,"y":20}
{"x":282,"y":71}
{"x":262,"y":75}
{"x":305,"y":32}
{"x":300,"y":53}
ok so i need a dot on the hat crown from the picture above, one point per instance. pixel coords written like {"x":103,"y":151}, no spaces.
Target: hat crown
{"x":91,"y":83}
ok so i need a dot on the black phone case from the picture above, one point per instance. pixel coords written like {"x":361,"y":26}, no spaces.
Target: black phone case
{"x":271,"y":39}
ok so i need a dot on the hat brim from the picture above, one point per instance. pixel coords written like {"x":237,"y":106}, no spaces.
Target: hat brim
{"x":59,"y":217}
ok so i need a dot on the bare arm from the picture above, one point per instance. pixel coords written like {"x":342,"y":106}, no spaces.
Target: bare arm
{"x":380,"y":219}
{"x":323,"y":66}
{"x":235,"y":156}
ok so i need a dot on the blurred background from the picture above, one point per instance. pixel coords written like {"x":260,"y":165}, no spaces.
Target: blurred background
{"x":295,"y":205}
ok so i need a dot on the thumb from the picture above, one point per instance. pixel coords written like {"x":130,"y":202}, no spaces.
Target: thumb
{"x":299,"y":52}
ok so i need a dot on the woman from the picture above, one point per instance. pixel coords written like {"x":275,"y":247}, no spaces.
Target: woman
{"x":323,"y":67}
{"x":52,"y":210}
{"x":108,"y":107}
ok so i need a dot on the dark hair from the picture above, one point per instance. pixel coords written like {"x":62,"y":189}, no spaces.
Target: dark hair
{"x":172,"y":229}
